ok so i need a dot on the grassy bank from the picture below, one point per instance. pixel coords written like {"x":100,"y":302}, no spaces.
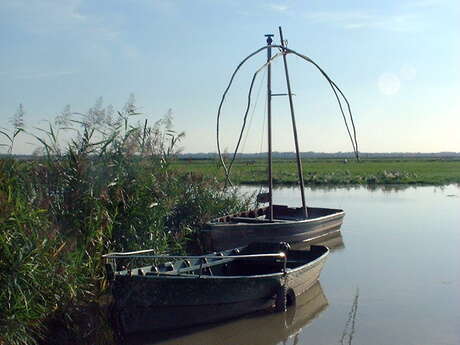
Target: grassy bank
{"x":332,"y":171}
{"x":110,"y":188}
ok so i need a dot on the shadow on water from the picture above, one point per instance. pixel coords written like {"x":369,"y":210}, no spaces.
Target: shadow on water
{"x":264,"y":328}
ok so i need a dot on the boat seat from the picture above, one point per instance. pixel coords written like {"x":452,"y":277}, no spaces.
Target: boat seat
{"x":168,"y":266}
{"x":286,"y":217}
{"x":249,"y":220}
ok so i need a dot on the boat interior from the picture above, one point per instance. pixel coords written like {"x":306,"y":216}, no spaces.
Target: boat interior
{"x":227,"y":263}
{"x":280,"y":213}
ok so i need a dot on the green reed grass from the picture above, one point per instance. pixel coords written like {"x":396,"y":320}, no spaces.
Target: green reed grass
{"x":111,"y":187}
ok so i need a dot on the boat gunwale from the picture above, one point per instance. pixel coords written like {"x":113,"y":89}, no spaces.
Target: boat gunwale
{"x":167,"y":275}
{"x":215,"y":223}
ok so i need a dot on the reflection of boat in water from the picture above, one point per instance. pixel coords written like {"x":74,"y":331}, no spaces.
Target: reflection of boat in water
{"x":258,"y":329}
{"x":333,"y":241}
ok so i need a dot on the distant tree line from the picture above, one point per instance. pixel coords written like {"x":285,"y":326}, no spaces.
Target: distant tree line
{"x":338,"y":155}
{"x":311,"y":155}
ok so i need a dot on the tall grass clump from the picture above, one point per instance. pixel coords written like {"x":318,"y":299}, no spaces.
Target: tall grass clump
{"x":100,"y":182}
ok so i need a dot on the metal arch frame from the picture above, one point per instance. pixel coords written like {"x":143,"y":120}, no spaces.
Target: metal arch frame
{"x":284,"y":50}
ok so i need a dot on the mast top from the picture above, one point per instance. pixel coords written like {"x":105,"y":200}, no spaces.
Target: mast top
{"x":269,"y":38}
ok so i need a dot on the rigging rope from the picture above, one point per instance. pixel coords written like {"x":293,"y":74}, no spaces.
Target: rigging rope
{"x":253,"y":111}
{"x":263,"y":125}
{"x":284,"y":50}
{"x":246,"y":114}
{"x":220,"y":108}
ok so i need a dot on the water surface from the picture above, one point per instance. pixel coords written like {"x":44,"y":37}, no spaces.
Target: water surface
{"x":393,"y":276}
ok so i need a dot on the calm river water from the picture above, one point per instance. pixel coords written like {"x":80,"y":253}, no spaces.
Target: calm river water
{"x":393,"y":276}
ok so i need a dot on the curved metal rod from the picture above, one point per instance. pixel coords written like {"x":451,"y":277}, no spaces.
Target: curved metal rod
{"x":334,"y":87}
{"x":285,"y":50}
{"x":247,"y":112}
{"x":352,"y":122}
{"x":222,"y":102}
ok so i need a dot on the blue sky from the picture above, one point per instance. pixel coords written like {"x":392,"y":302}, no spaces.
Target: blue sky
{"x":397,"y":62}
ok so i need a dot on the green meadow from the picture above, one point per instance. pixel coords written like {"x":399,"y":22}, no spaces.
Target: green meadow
{"x":333,"y":171}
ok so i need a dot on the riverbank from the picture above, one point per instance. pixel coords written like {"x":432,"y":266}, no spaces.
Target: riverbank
{"x":333,"y":171}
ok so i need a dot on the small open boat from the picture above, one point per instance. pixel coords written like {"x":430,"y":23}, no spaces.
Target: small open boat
{"x":275,"y":223}
{"x":288,"y":225}
{"x":203,"y":289}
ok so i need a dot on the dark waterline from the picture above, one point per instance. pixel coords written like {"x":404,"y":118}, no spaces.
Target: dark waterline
{"x":393,"y":278}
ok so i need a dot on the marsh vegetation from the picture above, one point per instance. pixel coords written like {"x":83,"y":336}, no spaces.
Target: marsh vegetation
{"x":110,"y":186}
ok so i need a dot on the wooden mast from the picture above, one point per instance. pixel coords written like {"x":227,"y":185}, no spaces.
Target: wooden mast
{"x":269,"y":125}
{"x":294,"y":128}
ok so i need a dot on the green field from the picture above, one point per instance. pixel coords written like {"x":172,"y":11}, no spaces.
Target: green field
{"x":334,"y":171}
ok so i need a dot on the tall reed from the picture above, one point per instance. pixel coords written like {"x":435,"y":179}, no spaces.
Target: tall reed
{"x":109,"y":187}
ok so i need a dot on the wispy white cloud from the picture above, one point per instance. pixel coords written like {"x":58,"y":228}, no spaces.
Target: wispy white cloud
{"x":339,"y":17}
{"x":50,"y":12}
{"x":42,"y":75}
{"x":425,"y":3}
{"x":36,"y":75}
{"x":363,"y":19}
{"x":278,"y":7}
{"x":354,"y":26}
{"x":166,"y":7}
{"x":44,"y":17}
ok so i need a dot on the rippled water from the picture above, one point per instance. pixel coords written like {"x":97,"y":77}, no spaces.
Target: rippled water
{"x":392,"y":278}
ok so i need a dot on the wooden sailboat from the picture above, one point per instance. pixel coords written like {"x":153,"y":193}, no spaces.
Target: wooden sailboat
{"x":275,"y":223}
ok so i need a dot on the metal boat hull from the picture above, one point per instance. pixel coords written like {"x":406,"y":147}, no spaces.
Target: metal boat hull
{"x":225,"y":232}
{"x":146,"y":303}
